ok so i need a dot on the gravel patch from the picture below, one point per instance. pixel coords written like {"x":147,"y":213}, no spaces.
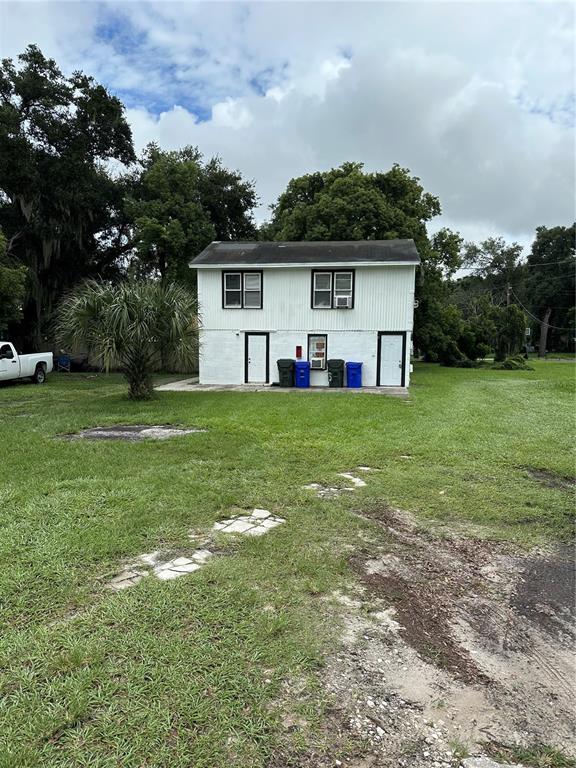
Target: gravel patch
{"x":132,"y":432}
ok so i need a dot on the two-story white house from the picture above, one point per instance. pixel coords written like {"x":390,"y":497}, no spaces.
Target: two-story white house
{"x":263,"y":301}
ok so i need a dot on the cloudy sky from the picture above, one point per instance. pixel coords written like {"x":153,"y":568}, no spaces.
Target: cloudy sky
{"x":477,"y":99}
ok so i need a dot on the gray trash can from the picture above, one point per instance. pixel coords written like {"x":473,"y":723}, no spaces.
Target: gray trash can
{"x":285,"y":372}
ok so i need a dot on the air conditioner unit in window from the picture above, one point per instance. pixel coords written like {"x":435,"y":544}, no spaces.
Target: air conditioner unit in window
{"x":343,"y":302}
{"x":317,"y":362}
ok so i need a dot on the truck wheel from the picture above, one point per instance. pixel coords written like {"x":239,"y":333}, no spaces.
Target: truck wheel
{"x":39,"y":374}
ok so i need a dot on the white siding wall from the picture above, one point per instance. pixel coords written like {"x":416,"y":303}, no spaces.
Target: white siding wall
{"x":384,"y":300}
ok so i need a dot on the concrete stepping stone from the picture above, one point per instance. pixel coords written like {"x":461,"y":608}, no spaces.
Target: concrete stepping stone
{"x":182,"y":565}
{"x":356,"y":481}
{"x":322,"y":491}
{"x":163,"y":570}
{"x":127,"y":578}
{"x":241,"y":525}
{"x":258,"y":530}
{"x":150,"y":558}
{"x":272,"y":522}
{"x":201,"y":555}
{"x":258,"y":522}
{"x":175,"y":568}
{"x":326,"y":492}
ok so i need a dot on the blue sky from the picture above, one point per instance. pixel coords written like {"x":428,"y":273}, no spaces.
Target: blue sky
{"x":477,"y":99}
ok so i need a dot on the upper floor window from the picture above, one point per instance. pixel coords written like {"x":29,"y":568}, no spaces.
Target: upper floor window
{"x":322,"y":298}
{"x":332,"y":289}
{"x":242,"y":290}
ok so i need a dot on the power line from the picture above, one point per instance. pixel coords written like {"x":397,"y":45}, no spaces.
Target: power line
{"x":537,"y":319}
{"x":555,"y":277}
{"x":538,"y":264}
{"x":517,"y":266}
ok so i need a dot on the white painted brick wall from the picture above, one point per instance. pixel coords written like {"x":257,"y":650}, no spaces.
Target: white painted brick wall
{"x":222,"y":354}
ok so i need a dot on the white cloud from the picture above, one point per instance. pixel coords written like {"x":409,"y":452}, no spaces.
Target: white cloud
{"x":475,"y":98}
{"x":231,"y":113}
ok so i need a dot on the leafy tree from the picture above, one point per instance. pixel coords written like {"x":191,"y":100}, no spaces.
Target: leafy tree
{"x":229,"y":201}
{"x":497,"y":263}
{"x":439,"y":331}
{"x":178,"y":205}
{"x":469,"y":292}
{"x":487,"y":299}
{"x":571,"y":323}
{"x":12,"y":282}
{"x":550,"y":284}
{"x":346,"y":203}
{"x":479,"y":331}
{"x":58,"y":202}
{"x":136,"y":325}
{"x":510,"y":331}
{"x":436,"y":322}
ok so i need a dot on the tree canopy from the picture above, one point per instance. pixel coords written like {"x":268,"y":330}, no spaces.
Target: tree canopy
{"x":497,"y":264}
{"x":56,"y":133}
{"x":346,"y":203}
{"x":75,"y":203}
{"x":178,"y":204}
{"x":550,"y":283}
{"x":12,"y":282}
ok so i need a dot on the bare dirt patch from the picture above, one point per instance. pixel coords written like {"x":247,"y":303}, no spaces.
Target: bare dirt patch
{"x":421,"y":581}
{"x":450,"y":645}
{"x":132,"y":432}
{"x":552,"y":479}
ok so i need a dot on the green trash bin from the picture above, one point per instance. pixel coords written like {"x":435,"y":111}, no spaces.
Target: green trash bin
{"x":335,"y":373}
{"x":285,"y":373}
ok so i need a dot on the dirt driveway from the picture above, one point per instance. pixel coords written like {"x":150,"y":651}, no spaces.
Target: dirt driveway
{"x":452,"y":647}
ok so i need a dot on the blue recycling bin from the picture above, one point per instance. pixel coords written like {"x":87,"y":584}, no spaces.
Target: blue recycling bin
{"x":353,"y":375}
{"x":63,"y":363}
{"x":302,"y":373}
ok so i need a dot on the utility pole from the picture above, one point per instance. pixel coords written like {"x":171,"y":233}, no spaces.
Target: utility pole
{"x":508,"y":289}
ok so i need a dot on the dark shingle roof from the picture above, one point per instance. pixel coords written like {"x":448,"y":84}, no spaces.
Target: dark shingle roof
{"x":309,"y":252}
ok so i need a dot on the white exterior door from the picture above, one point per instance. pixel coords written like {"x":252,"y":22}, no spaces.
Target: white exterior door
{"x":256,"y":365}
{"x":391,"y":360}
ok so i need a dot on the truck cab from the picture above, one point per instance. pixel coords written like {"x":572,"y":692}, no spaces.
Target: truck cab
{"x":14,"y":366}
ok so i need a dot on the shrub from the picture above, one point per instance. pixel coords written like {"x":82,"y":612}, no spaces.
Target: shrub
{"x":514,"y":363}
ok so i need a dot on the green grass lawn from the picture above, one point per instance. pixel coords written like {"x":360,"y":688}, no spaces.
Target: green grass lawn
{"x":190,"y":672}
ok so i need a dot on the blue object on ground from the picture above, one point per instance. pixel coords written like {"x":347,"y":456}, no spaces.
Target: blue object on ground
{"x":353,"y":375}
{"x":63,"y":363}
{"x":302,"y":373}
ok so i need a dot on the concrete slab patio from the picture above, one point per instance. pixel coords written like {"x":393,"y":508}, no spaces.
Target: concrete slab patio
{"x":192,"y":385}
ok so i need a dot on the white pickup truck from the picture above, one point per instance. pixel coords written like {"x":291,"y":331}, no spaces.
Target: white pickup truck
{"x":15,"y":366}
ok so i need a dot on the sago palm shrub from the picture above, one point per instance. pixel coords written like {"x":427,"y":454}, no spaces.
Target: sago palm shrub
{"x":135,"y":325}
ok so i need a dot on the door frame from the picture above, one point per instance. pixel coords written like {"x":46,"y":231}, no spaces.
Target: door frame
{"x":246,"y":349}
{"x":379,"y":355}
